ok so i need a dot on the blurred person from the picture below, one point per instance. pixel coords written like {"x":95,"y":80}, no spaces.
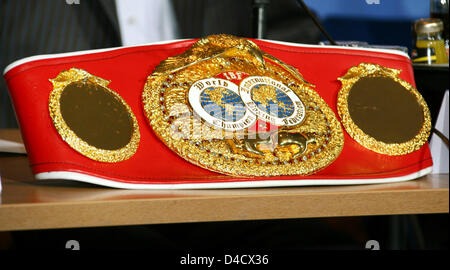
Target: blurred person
{"x":55,"y":26}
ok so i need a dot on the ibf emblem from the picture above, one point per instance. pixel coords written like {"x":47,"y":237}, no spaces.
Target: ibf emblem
{"x":224,"y":104}
{"x":272,"y":101}
{"x":218,"y":102}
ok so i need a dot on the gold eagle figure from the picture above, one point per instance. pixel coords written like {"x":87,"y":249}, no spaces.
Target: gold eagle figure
{"x":220,"y":45}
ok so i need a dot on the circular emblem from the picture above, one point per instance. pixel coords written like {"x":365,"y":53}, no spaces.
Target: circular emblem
{"x":217,"y":101}
{"x":272,"y":101}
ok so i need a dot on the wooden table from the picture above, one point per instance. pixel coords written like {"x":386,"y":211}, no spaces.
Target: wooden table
{"x":29,"y":204}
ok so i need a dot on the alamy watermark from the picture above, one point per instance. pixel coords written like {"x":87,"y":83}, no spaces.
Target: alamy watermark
{"x":373,"y":2}
{"x":73,"y":245}
{"x":73,"y":2}
{"x":373,"y":245}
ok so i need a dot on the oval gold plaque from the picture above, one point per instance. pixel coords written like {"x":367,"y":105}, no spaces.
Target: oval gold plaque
{"x":382,"y":112}
{"x":91,"y":118}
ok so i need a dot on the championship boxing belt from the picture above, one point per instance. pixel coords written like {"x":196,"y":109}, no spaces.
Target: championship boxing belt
{"x":222,"y":112}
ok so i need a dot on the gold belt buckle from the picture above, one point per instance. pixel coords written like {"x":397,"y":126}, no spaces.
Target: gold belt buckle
{"x":227,"y":106}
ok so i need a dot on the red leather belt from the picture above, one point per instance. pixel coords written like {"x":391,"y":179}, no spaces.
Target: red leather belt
{"x":115,"y":117}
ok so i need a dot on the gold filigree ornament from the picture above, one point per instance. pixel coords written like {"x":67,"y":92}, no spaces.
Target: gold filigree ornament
{"x":93,"y":119}
{"x":227,"y":106}
{"x":382,"y":112}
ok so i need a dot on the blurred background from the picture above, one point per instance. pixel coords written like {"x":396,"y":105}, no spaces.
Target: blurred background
{"x":381,"y":23}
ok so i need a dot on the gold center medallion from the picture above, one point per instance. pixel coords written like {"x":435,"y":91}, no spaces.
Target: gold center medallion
{"x":227,"y":106}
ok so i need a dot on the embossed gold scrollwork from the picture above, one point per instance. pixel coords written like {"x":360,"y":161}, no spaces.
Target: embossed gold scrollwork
{"x":308,"y":145}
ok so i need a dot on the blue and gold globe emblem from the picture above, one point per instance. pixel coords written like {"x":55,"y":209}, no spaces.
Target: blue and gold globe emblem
{"x":218,"y":103}
{"x":222,"y":104}
{"x":272,"y":100}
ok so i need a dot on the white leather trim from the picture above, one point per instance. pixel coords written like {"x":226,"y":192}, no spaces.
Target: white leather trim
{"x":389,"y":51}
{"x":57,"y":55}
{"x":50,"y":56}
{"x":237,"y":184}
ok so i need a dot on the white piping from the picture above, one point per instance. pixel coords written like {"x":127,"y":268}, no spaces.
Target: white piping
{"x":238,"y":184}
{"x":389,"y":51}
{"x":56,"y":55}
{"x":50,"y":56}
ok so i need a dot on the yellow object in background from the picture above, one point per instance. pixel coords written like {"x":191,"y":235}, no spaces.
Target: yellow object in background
{"x":429,"y":45}
{"x":436,"y":52}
